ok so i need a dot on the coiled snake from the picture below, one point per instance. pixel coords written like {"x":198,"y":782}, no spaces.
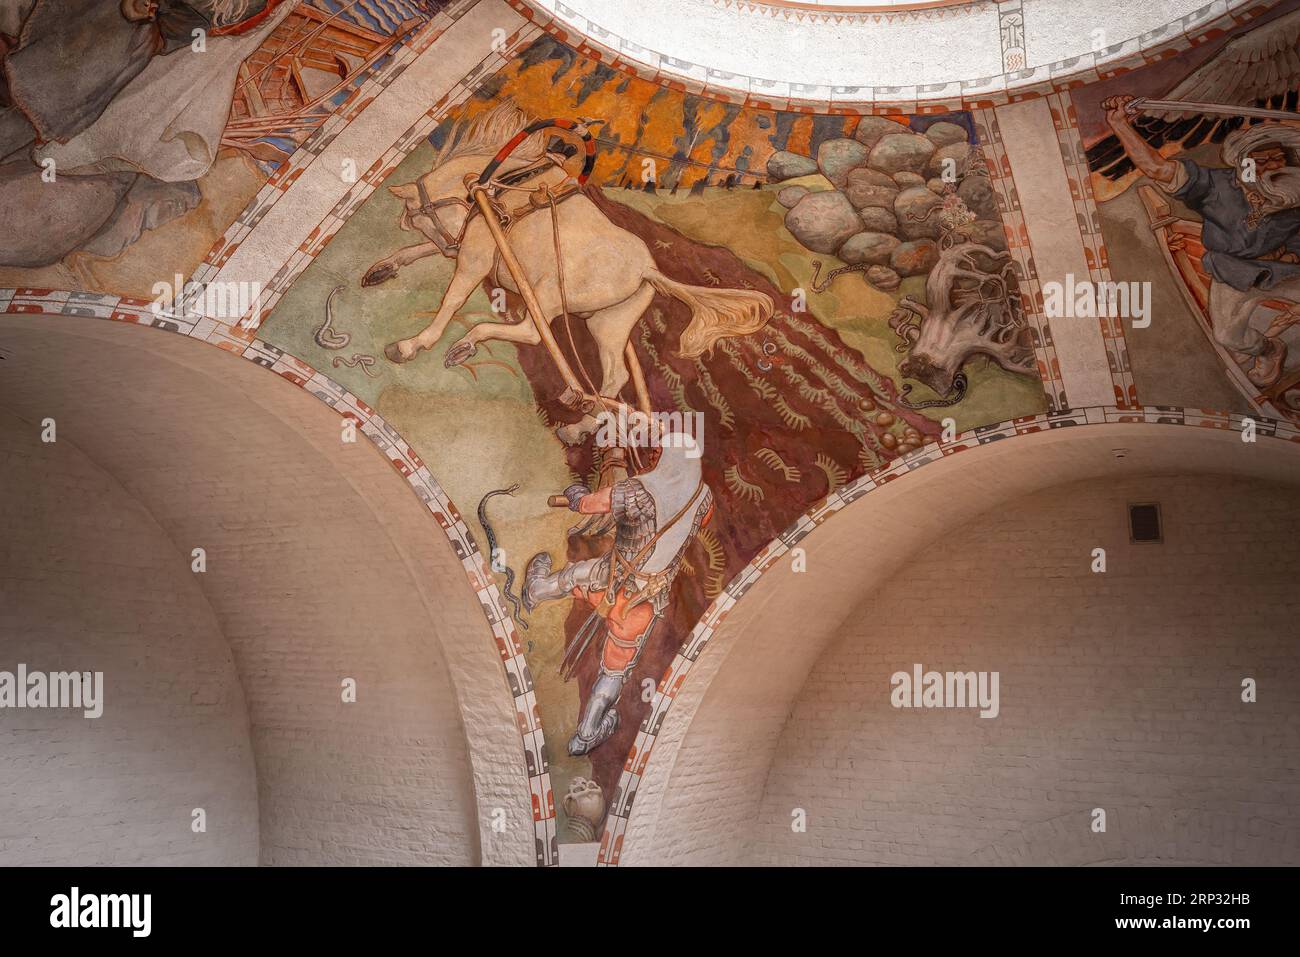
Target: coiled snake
{"x":954,"y":395}
{"x":509,"y":587}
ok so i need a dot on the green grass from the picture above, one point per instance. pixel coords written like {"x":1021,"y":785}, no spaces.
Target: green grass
{"x":751,"y":223}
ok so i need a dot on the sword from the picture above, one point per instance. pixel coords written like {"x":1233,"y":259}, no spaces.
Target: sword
{"x":573,"y":654}
{"x":1143,"y":104}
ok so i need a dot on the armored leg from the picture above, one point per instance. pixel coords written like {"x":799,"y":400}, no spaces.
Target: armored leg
{"x":600,"y":717}
{"x":618,"y":658}
{"x":541,"y":585}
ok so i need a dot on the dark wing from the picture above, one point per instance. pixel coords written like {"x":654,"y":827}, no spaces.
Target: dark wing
{"x":1259,"y":68}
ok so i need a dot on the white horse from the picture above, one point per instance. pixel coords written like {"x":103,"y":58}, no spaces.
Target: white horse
{"x":608,"y":273}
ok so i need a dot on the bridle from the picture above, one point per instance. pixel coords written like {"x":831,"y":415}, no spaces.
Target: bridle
{"x":449,"y":243}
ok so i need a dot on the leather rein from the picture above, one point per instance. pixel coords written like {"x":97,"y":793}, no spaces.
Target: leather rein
{"x":449,"y":243}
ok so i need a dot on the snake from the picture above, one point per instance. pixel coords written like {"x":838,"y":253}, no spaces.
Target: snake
{"x":325,"y":335}
{"x":365,"y":362}
{"x":509,"y":588}
{"x":830,"y":276}
{"x":954,"y":395}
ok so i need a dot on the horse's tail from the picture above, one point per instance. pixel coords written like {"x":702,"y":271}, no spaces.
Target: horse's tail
{"x":715,"y":313}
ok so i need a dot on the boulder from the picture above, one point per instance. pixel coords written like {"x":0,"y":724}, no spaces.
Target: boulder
{"x":917,"y":215}
{"x":914,"y":258}
{"x":873,"y":248}
{"x":872,"y":128}
{"x":783,"y":165}
{"x":988,"y":232}
{"x":866,"y":176}
{"x":882,"y":277}
{"x":150,"y":203}
{"x":790,"y":195}
{"x":43,"y":222}
{"x":898,"y":152}
{"x":977,"y":193}
{"x":944,"y":133}
{"x":835,"y":158}
{"x":905,"y":179}
{"x":878,"y":219}
{"x":823,"y":221}
{"x":869,"y":187}
{"x":958,"y":153}
{"x":935,"y":185}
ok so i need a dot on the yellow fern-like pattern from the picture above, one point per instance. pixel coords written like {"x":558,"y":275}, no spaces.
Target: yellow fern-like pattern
{"x":795,"y":420}
{"x":835,"y":476}
{"x":713,"y":395}
{"x":743,"y":488}
{"x":713,"y":583}
{"x":869,"y":460}
{"x":772,"y":459}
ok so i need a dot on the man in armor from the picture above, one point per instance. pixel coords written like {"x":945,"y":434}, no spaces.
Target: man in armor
{"x":656,"y":515}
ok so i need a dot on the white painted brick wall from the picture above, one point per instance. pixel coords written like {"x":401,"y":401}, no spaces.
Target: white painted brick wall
{"x":1119,"y":691}
{"x":89,"y":582}
{"x":321,"y":564}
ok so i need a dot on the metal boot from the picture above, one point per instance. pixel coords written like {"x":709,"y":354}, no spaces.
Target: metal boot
{"x":600,"y":718}
{"x":535,"y":575}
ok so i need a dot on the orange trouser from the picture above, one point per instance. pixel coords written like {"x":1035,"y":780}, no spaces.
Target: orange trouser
{"x":627,"y":625}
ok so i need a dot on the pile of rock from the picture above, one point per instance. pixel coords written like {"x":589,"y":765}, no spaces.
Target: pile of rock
{"x":884,"y":210}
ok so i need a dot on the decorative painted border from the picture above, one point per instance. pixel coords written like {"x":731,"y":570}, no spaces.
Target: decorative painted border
{"x":989,"y":135}
{"x":284,"y":177}
{"x":1079,"y":176}
{"x":620,"y":806}
{"x":792,"y":11}
{"x":1011,"y":86}
{"x":50,"y":302}
{"x":797,"y":12}
{"x":1011,"y":35}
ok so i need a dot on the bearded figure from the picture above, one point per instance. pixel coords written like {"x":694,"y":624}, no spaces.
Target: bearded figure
{"x":74,"y":57}
{"x":1250,"y":210}
{"x":117,"y":97}
{"x":656,"y":514}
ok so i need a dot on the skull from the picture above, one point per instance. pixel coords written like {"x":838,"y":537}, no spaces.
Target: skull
{"x":584,"y":805}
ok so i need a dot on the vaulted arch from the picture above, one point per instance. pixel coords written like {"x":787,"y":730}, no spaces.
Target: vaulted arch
{"x":321,"y":566}
{"x":695,"y":784}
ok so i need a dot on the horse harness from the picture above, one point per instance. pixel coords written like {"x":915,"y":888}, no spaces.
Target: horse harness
{"x":492,"y":191}
{"x":537,"y":197}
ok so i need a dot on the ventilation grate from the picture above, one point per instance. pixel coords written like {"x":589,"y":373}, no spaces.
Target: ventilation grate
{"x":1144,"y":523}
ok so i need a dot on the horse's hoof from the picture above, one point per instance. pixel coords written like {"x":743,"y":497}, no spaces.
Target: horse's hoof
{"x":459,"y":353}
{"x":394,"y":354}
{"x":378,"y":273}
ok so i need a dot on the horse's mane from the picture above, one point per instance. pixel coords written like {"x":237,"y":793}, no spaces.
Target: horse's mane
{"x":488,"y":132}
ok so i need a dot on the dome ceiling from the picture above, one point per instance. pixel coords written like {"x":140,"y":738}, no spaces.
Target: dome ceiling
{"x":834,"y":244}
{"x":886,"y":53}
